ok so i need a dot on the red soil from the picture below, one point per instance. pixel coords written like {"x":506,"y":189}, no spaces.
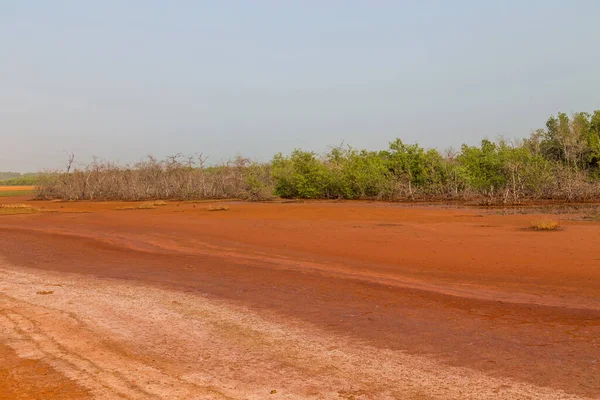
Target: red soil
{"x":22,"y":379}
{"x":460,"y":286}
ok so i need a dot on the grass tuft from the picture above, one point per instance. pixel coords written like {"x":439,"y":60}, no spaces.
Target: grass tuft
{"x":545,"y":225}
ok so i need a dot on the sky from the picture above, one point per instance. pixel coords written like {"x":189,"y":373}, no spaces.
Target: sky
{"x":124,"y":79}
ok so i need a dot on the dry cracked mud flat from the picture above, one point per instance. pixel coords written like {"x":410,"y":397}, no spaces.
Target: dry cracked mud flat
{"x":295,"y":301}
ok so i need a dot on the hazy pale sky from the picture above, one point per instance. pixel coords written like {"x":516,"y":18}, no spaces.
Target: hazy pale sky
{"x":123,"y":79}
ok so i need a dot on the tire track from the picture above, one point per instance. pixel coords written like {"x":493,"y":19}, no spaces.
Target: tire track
{"x":132,"y":341}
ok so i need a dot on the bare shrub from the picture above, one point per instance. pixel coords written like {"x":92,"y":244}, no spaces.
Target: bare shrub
{"x":175,"y":177}
{"x":574,"y":185}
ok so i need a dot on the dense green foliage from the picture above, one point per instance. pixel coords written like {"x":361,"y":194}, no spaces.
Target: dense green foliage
{"x":9,"y":175}
{"x":17,"y":179}
{"x":561,"y":161}
{"x":29,"y":180}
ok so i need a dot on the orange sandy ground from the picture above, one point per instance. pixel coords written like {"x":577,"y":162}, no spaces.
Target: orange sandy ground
{"x":32,"y":379}
{"x":466,"y":287}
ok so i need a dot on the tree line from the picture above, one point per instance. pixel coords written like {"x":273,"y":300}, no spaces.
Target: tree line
{"x":558,"y":162}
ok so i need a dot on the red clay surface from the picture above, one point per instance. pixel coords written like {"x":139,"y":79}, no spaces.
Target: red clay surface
{"x":21,"y":378}
{"x":458,"y":286}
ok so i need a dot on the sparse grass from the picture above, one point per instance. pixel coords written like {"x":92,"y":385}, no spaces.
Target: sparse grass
{"x":545,"y":225}
{"x":203,"y":201}
{"x":595,"y":217}
{"x":556,"y":209}
{"x":15,"y":206}
{"x":14,"y":193}
{"x":45,"y":292}
{"x":149,"y":205}
{"x":218,"y":208}
{"x":14,"y":209}
{"x":143,"y":206}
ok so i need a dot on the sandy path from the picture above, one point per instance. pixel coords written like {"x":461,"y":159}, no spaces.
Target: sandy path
{"x":129,"y":340}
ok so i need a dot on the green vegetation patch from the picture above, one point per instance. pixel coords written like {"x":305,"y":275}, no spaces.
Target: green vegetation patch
{"x":23,"y":180}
